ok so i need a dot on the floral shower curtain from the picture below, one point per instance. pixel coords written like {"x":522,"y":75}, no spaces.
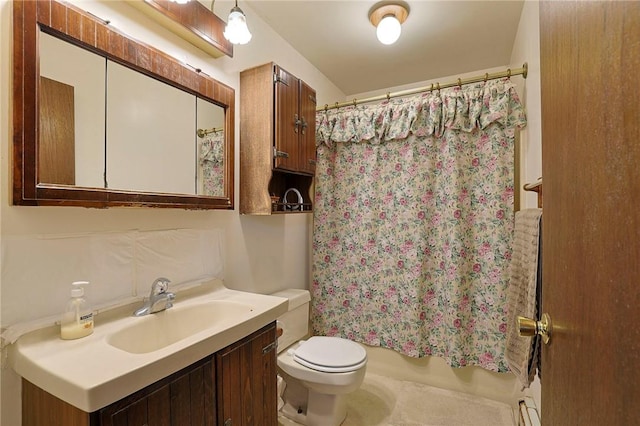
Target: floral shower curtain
{"x":212,"y":164}
{"x":413,"y":222}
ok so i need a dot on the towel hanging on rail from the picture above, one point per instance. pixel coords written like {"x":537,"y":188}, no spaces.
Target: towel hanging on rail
{"x":523,"y":296}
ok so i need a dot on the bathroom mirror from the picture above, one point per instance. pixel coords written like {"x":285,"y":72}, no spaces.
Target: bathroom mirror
{"x":102,"y":120}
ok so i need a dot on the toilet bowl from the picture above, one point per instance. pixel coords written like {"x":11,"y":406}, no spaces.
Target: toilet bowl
{"x":318,"y":372}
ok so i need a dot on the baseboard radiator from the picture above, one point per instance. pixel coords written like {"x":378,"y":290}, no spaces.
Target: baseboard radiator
{"x":528,"y":413}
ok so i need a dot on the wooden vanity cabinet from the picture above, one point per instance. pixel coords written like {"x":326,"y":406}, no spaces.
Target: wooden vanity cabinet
{"x":236,"y":386}
{"x":277,"y":139}
{"x":247,"y":381}
{"x":180,"y":399}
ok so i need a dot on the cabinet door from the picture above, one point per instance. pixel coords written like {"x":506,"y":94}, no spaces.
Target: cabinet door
{"x":307,"y":153}
{"x":286,"y":120}
{"x":40,"y":408}
{"x":184,"y":398}
{"x":247,"y":394}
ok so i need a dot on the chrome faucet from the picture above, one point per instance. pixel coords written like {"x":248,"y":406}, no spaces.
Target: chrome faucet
{"x":159,"y":299}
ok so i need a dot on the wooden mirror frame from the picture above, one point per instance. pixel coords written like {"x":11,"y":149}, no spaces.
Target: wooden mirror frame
{"x":87,"y":31}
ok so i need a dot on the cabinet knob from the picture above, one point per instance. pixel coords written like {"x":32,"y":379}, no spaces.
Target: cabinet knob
{"x":227,"y":422}
{"x":304,"y":125}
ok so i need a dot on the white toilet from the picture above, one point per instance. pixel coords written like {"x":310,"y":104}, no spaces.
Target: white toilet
{"x":319,"y":372}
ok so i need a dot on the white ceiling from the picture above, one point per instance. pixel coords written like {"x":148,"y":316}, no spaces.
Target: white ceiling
{"x":439,"y":38}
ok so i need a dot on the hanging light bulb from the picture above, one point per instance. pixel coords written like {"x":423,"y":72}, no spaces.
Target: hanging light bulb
{"x":389,"y":30}
{"x":236,"y":30}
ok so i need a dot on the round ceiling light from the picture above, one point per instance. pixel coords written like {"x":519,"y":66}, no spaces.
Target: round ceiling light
{"x":388,"y":19}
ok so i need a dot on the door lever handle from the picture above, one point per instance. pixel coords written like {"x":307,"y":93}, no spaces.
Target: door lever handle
{"x":530,"y":327}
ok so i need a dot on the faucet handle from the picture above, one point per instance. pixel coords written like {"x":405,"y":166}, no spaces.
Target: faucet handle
{"x":170,"y":298}
{"x":160,"y":285}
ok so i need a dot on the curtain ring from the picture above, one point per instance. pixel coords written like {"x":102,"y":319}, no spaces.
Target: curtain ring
{"x":486,"y":77}
{"x":508,"y":72}
{"x":459,"y":83}
{"x":336,"y":106}
{"x":326,"y":107}
{"x":355,"y":102}
{"x":388,"y":96}
{"x":431,"y":88}
{"x":438,"y":86}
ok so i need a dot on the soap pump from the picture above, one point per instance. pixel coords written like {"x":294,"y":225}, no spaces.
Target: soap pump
{"x":77,"y":319}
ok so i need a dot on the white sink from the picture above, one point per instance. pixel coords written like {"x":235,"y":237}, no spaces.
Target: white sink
{"x":126,"y":353}
{"x":161,"y":329}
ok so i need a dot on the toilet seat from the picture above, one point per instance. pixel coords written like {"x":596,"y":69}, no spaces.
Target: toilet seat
{"x":330,"y":354}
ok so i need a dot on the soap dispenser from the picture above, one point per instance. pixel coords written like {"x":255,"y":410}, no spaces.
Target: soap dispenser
{"x":77,"y":319}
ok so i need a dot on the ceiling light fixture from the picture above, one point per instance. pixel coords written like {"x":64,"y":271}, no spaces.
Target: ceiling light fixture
{"x":388,"y":19}
{"x":236,"y":30}
{"x":181,"y":1}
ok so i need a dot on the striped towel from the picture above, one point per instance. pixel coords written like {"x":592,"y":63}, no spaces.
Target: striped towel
{"x":523,"y":294}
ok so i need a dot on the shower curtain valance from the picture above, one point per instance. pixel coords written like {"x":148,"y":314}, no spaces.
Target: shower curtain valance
{"x":464,"y":108}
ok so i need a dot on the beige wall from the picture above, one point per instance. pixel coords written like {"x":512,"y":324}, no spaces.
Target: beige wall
{"x":526,"y":48}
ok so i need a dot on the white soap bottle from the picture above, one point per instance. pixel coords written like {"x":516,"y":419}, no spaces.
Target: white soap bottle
{"x":77,"y":319}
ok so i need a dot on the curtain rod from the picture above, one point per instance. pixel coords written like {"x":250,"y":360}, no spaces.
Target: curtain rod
{"x":204,"y":132}
{"x":437,"y":86}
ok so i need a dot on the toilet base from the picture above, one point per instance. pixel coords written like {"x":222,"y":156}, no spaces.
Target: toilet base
{"x":321,"y":410}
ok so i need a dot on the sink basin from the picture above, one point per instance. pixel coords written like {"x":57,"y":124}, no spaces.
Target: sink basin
{"x":156,"y":331}
{"x":126,"y":353}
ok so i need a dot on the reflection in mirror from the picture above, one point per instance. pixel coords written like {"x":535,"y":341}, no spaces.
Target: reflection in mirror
{"x":150,"y":134}
{"x":79,"y":141}
{"x":72,"y":111}
{"x":211,"y":139}
{"x":148,"y":142}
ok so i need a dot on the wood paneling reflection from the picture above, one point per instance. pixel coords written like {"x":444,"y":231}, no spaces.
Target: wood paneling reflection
{"x":56,"y":153}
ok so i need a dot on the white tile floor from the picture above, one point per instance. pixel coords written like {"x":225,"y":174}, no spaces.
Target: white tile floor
{"x":382,"y":401}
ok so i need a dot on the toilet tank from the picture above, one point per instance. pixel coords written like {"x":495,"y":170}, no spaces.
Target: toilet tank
{"x":294,"y":322}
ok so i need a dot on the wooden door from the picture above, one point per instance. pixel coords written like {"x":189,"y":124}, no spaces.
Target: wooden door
{"x":247,"y":386}
{"x":307,"y":156}
{"x":184,"y":398}
{"x":286,"y":120}
{"x":56,"y":148}
{"x":590,"y":62}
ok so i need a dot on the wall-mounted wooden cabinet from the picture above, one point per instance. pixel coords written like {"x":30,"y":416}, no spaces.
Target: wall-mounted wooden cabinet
{"x":235,"y":386}
{"x":295,"y":123}
{"x":277,"y":140}
{"x":192,"y":21}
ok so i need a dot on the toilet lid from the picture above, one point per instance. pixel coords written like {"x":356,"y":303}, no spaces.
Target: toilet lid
{"x":330,"y":354}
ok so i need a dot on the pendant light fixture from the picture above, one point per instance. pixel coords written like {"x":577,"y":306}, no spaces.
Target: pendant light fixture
{"x":236,"y":30}
{"x":388,"y":19}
